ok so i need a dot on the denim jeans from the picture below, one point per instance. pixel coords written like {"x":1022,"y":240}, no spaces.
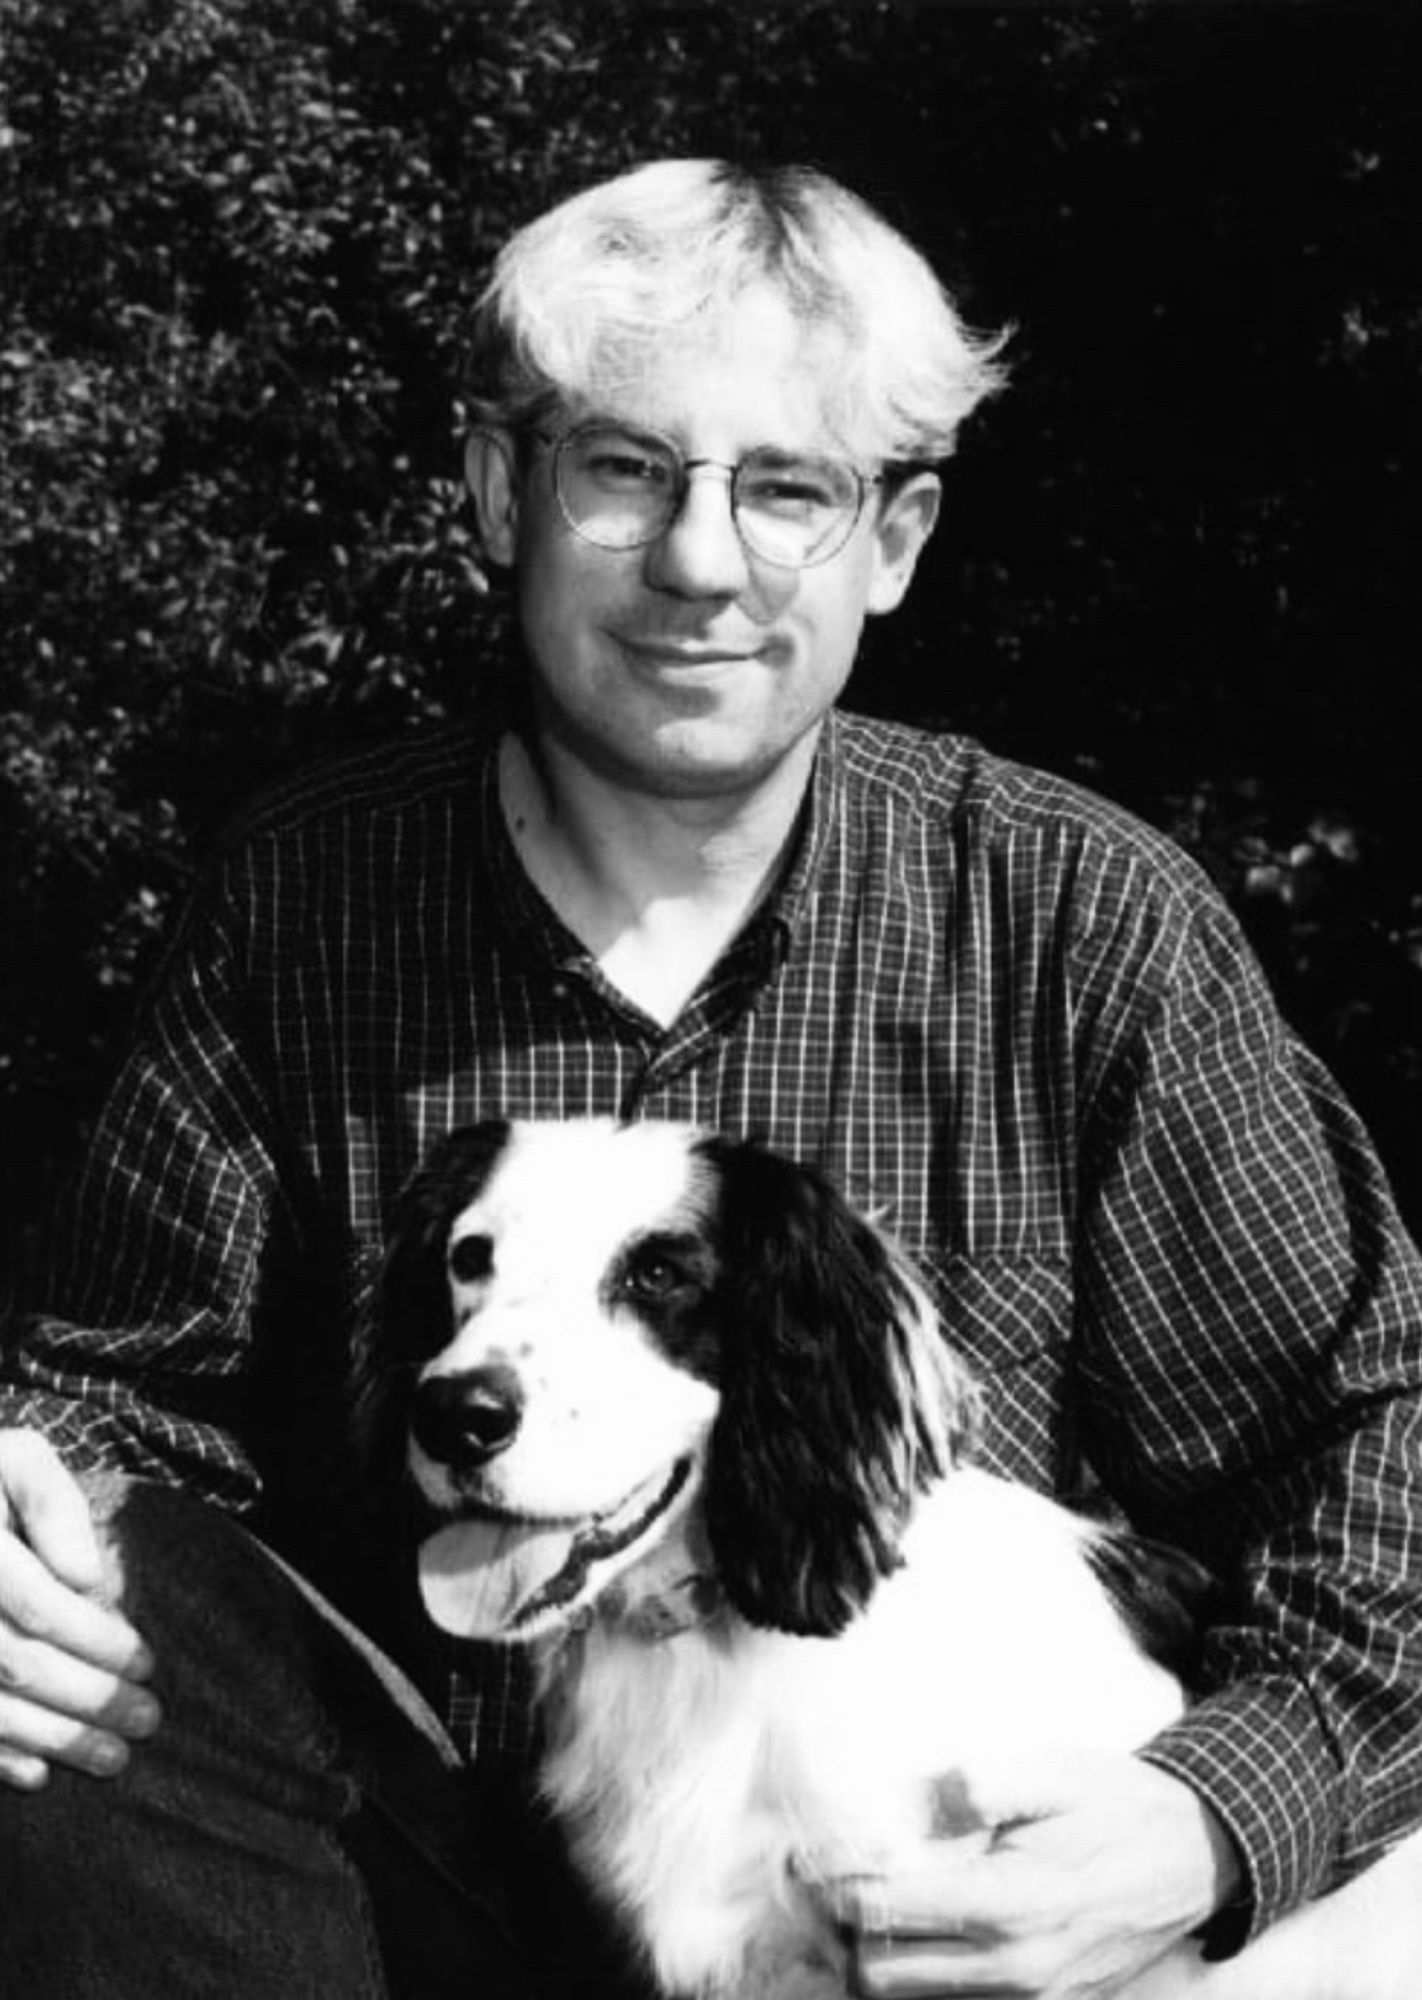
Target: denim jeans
{"x":299,"y":1828}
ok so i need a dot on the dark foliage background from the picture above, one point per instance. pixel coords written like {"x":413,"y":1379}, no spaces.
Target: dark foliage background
{"x":1180,"y":557}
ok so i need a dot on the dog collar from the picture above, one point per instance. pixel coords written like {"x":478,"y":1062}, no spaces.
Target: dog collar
{"x":679,"y":1607}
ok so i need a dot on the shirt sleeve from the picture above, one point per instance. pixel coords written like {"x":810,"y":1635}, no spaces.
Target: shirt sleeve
{"x":1250,"y":1330}
{"x":138,"y":1351}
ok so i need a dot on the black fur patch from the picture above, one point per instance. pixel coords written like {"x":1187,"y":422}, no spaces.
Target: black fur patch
{"x":815,"y":1459}
{"x":412,"y":1319}
{"x":667,"y":1278}
{"x":1166,"y":1598}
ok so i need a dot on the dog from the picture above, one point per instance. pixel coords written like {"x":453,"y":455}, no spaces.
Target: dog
{"x":677,"y":1417}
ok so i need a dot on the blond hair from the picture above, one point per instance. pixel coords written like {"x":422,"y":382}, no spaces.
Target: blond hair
{"x":585,"y":291}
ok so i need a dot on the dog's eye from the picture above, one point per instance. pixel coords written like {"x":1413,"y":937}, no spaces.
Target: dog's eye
{"x":663,"y":1268}
{"x":471,"y":1259}
{"x":652,"y":1277}
{"x":651,"y":1274}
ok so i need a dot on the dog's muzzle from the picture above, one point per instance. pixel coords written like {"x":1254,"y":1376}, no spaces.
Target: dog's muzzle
{"x":494,"y":1577}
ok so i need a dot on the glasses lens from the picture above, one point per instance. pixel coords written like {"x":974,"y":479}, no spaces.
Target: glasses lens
{"x":621,"y":489}
{"x":616,"y":488}
{"x":796,"y":511}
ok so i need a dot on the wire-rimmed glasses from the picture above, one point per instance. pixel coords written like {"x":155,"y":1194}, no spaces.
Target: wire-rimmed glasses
{"x":621,"y":488}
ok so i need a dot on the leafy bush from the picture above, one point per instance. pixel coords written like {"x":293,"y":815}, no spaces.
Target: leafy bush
{"x":240,"y":243}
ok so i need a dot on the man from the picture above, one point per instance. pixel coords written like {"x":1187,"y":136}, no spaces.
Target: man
{"x":660,"y":875}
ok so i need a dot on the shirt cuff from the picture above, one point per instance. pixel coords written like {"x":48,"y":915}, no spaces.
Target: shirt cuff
{"x":1256,"y":1755}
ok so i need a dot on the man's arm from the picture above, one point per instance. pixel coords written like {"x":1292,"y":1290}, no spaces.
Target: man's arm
{"x":134,"y":1347}
{"x":132,"y":1359}
{"x":1247,"y":1323}
{"x":1251,"y":1351}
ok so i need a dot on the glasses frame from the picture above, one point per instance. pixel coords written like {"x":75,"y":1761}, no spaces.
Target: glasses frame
{"x":559,"y":442}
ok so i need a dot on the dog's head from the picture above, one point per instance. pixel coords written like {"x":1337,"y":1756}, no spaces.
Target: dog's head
{"x":595,"y":1338}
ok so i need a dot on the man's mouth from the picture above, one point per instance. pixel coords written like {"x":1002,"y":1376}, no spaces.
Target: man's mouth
{"x":687,"y":652}
{"x":500,"y":1577}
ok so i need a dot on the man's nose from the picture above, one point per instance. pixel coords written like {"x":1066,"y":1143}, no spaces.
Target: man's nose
{"x":700,"y":552}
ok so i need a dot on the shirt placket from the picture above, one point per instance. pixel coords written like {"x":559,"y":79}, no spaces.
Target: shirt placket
{"x":665,"y":1056}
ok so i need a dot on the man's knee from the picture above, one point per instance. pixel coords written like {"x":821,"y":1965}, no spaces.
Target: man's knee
{"x":238,"y":1670}
{"x":213,"y":1862}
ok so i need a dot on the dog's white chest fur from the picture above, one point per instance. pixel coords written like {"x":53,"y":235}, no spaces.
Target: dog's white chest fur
{"x":707,"y":1778}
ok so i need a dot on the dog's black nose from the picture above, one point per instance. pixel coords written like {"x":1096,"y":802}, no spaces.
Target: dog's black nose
{"x":462,"y":1420}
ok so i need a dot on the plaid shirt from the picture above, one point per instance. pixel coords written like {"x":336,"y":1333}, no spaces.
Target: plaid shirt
{"x":1008,"y":1017}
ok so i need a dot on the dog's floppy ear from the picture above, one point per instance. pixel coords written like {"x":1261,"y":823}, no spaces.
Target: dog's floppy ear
{"x":414,"y":1285}
{"x":412,"y":1318}
{"x":839,"y":1400}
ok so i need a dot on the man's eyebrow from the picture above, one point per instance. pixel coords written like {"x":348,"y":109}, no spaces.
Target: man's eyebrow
{"x":604,"y":420}
{"x":822,"y":447}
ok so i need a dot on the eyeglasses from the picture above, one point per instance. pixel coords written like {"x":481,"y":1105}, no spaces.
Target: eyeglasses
{"x":622,"y":489}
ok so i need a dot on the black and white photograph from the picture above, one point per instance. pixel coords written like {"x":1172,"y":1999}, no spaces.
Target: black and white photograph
{"x":710,"y":1000}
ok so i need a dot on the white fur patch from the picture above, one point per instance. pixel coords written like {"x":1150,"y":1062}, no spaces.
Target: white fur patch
{"x":604,"y":1412}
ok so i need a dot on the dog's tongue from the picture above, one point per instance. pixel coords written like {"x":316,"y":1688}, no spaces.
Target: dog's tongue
{"x":477,"y":1575}
{"x":486,"y":1578}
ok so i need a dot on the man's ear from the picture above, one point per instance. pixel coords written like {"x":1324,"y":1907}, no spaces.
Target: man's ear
{"x":491,"y":474}
{"x":906,"y":520}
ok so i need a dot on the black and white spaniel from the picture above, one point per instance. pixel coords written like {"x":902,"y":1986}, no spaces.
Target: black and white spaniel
{"x":684,"y":1422}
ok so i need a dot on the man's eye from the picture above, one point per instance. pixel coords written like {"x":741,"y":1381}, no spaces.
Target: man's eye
{"x":789,"y":490}
{"x":623,"y":468}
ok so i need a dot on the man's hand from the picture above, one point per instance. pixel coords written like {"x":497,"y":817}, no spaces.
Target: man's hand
{"x":1096,"y":1865}
{"x":70,"y":1669}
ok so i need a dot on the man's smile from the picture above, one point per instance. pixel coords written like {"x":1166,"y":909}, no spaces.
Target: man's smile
{"x":686,"y":653}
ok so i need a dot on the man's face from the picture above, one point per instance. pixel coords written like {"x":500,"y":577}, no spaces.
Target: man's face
{"x":691,"y":667}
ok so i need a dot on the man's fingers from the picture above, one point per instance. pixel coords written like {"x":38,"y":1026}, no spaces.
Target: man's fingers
{"x":47,"y":1509}
{"x":36,"y":1737}
{"x":904,"y":1970}
{"x":22,"y":1772}
{"x":935,"y":1897}
{"x":31,"y":1672}
{"x":41,"y":1608}
{"x":70,"y":1667}
{"x":944,"y":1966}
